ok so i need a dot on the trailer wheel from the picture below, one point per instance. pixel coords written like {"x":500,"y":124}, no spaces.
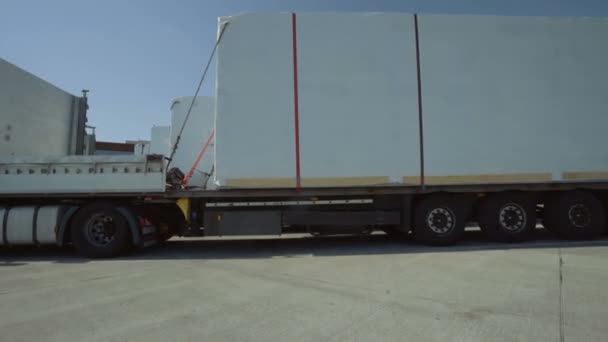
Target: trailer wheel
{"x":439,"y":220}
{"x":507,"y":217}
{"x":575,"y":215}
{"x":100,"y":231}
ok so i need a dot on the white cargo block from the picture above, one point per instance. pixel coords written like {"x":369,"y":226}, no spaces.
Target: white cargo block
{"x":160,"y":140}
{"x":255,"y":116}
{"x":514,"y":98}
{"x":505,"y":99}
{"x":36,"y":118}
{"x":197,"y":132}
{"x":82,"y":174}
{"x":357,"y":100}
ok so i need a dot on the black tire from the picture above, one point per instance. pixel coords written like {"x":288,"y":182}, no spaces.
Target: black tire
{"x":576,"y":215}
{"x":439,"y":220}
{"x":508,"y":217}
{"x":99,"y":230}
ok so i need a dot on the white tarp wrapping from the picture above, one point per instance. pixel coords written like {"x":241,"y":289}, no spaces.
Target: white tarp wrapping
{"x":357,"y":100}
{"x":505,"y":99}
{"x":197,"y":132}
{"x":357,"y":92}
{"x":254,"y":93}
{"x":514,"y":96}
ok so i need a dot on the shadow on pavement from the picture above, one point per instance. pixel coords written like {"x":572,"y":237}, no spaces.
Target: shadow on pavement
{"x":287,"y":247}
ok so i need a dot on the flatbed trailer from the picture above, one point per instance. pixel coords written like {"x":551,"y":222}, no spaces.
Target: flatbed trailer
{"x":278,"y":193}
{"x":102,"y":217}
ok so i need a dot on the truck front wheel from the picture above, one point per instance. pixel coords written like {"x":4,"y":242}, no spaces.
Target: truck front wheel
{"x":99,"y":230}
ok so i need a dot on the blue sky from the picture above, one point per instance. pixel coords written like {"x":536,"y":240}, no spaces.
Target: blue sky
{"x":135,"y":55}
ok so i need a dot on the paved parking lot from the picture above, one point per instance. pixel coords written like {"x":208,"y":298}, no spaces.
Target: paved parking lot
{"x":310,"y":289}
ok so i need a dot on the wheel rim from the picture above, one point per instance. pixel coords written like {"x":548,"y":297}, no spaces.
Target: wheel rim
{"x":100,"y":230}
{"x":512,"y":217}
{"x":441,"y":220}
{"x":579,"y":215}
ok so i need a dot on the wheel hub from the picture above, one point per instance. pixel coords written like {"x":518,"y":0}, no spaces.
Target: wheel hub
{"x":512,"y":217}
{"x":579,"y":215}
{"x":441,"y":220}
{"x":100,"y":230}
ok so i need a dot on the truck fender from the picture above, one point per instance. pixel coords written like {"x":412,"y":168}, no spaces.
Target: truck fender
{"x":63,"y":224}
{"x":133,"y":225}
{"x":125,"y":211}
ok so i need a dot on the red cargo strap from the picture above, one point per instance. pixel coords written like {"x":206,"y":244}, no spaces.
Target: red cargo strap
{"x":198,"y":160}
{"x":295,"y":98}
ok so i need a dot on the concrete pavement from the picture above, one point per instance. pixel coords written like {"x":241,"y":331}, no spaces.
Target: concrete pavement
{"x":310,"y":289}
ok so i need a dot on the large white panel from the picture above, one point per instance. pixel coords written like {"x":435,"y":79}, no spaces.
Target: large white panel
{"x":84,"y":183}
{"x":35,"y":116}
{"x":160,"y":140}
{"x":81,"y":174}
{"x":514,"y":94}
{"x":197,"y":132}
{"x":254,"y":111}
{"x":358,"y":96}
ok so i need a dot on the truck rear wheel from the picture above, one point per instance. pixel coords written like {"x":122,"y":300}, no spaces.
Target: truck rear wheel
{"x":99,"y":230}
{"x":575,"y":215}
{"x":507,"y":217}
{"x":439,"y":220}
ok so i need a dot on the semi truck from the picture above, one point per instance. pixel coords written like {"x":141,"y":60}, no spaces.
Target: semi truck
{"x":330,"y":123}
